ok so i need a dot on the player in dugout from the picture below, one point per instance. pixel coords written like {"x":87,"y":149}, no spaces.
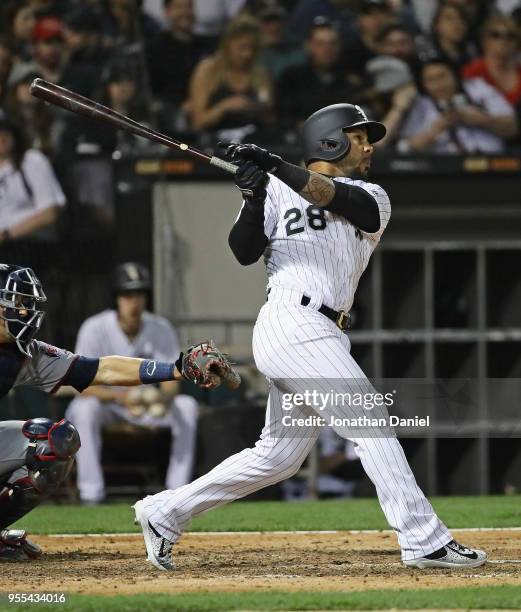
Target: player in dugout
{"x":36,"y":455}
{"x":131,"y":330}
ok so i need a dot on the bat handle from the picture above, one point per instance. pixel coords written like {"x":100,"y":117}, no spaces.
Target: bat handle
{"x":224,"y":165}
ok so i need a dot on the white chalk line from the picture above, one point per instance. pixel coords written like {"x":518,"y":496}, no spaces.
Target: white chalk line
{"x":268,"y":533}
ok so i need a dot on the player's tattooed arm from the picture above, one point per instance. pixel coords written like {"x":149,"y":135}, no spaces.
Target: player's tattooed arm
{"x":319,"y":190}
{"x":349,"y":201}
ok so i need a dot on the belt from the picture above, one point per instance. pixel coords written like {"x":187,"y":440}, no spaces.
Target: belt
{"x":341,"y":318}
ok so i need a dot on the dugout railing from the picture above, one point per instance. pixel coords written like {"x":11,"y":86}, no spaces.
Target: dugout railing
{"x":441,"y":309}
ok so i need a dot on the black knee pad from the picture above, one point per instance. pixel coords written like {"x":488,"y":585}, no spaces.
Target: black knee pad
{"x":51,"y":440}
{"x":17,"y":499}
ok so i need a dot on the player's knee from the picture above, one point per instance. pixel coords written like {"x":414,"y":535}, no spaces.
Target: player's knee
{"x":187,"y":407}
{"x":280,"y":464}
{"x":290,"y":469}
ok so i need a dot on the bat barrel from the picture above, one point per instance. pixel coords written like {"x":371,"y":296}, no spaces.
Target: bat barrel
{"x":74,"y":102}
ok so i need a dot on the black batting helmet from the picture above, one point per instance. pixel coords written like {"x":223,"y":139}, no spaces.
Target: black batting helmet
{"x":323,"y":132}
{"x":21,"y":294}
{"x":131,"y":276}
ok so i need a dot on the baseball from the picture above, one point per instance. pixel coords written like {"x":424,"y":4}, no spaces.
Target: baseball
{"x":157,"y":410}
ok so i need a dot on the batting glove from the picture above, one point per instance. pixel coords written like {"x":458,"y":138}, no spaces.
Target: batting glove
{"x":239,"y":153}
{"x":252,"y":181}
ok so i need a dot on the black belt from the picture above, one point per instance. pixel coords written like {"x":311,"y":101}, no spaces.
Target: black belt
{"x":341,"y":318}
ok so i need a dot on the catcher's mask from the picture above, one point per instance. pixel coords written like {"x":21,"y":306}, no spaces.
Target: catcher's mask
{"x":21,"y":293}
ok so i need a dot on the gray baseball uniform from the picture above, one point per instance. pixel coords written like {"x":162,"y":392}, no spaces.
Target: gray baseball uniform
{"x":47,"y":369}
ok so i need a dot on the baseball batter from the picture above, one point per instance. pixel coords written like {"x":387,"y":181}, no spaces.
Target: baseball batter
{"x":36,"y":455}
{"x":317,"y":228}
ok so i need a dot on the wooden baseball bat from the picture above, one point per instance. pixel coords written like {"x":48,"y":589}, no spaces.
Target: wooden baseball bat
{"x":71,"y":101}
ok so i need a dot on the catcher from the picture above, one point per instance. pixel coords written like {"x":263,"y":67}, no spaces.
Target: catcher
{"x":36,"y":455}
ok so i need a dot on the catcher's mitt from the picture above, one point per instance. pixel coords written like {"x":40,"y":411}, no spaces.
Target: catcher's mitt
{"x":207,"y":367}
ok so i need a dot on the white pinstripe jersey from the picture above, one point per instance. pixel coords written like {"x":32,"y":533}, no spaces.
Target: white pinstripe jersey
{"x":316,"y":251}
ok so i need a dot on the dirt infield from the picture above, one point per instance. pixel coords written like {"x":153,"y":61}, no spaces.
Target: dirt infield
{"x":240,"y":562}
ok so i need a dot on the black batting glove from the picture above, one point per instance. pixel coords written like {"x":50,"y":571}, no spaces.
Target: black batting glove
{"x":252,"y":181}
{"x":239,"y":153}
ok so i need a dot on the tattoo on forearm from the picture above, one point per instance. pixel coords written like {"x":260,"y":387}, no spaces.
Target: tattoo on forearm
{"x":319,"y":190}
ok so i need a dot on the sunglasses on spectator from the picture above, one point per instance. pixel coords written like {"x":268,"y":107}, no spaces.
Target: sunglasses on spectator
{"x":498,"y":34}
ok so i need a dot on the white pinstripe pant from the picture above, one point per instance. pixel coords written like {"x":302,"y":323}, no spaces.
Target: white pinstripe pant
{"x":293,"y":345}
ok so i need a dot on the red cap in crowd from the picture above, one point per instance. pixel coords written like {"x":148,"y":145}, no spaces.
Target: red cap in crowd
{"x":47,"y":28}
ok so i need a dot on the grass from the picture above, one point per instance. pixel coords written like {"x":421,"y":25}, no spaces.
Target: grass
{"x":472,"y":511}
{"x":477,"y":598}
{"x":494,"y":511}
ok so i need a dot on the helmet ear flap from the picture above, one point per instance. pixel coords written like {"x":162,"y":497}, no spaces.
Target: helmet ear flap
{"x":333,"y":149}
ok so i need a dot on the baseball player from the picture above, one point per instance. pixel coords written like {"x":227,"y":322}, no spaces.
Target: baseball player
{"x":131,"y":331}
{"x":36,"y":455}
{"x":317,"y":228}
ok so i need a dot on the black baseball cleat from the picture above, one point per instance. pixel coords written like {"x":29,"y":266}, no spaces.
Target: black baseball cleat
{"x":452,"y":555}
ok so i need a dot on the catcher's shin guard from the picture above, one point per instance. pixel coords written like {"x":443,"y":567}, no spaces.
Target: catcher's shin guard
{"x":21,"y":496}
{"x":17,"y":499}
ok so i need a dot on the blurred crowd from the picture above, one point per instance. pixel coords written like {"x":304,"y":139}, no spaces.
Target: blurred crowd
{"x":444,"y":75}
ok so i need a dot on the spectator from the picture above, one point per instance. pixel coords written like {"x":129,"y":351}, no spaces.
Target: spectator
{"x":6,"y":64}
{"x":86,"y":57}
{"x":393,"y":90}
{"x":477,"y":11}
{"x":125,"y":23}
{"x":88,"y":146}
{"x":120,"y":82}
{"x":278,"y":50}
{"x":322,"y":80}
{"x":131,"y":331}
{"x":230,"y":92}
{"x":398,"y":41}
{"x":450,"y":30}
{"x":154,"y":8}
{"x":172,"y":57}
{"x":372,"y":17}
{"x":31,"y":113}
{"x":30,"y":195}
{"x":455,"y":117}
{"x":46,"y":8}
{"x":499,"y":64}
{"x":20,"y":21}
{"x":47,"y":47}
{"x":424,"y":11}
{"x":30,"y":201}
{"x":211,"y":17}
{"x":304,"y":13}
{"x":507,"y":7}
